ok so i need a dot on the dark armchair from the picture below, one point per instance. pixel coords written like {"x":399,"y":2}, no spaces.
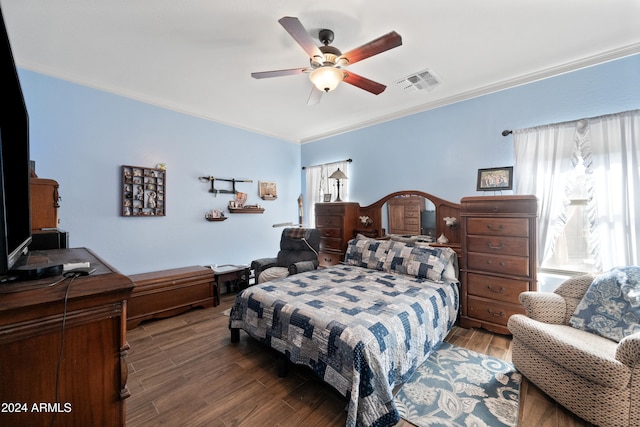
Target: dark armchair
{"x":298,"y":252}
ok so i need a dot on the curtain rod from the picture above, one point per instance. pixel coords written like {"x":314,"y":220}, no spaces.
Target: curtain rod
{"x":330,"y":163}
{"x":509,"y":132}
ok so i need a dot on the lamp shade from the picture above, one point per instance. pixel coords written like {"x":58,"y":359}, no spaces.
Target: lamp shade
{"x":338,"y":174}
{"x":326,"y":78}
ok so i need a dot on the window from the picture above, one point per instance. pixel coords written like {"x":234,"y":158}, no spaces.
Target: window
{"x":571,"y":248}
{"x":586,"y":177}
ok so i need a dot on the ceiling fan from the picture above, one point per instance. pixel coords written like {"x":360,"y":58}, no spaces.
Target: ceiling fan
{"x":327,"y":64}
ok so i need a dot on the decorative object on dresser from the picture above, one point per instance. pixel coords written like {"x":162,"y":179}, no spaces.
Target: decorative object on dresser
{"x":143,"y":191}
{"x":166,"y":293}
{"x":499,"y":258}
{"x":495,"y":179}
{"x":336,"y":223}
{"x":64,"y":346}
{"x":44,"y":203}
{"x":338,"y":175}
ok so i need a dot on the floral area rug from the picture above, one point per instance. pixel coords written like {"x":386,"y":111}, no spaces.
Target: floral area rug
{"x":460,"y":387}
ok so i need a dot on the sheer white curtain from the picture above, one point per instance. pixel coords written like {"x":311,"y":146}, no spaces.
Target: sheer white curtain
{"x":319,"y":184}
{"x":609,"y":146}
{"x":543,"y":161}
{"x":614,"y":145}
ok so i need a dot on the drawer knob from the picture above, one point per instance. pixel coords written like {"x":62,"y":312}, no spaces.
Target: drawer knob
{"x":494,"y":227}
{"x":495,"y":209}
{"x":327,"y":259}
{"x":496,"y":313}
{"x":499,"y":290}
{"x":495,"y":247}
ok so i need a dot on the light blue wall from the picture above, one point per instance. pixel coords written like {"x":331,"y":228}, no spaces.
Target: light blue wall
{"x":440,"y":151}
{"x":80,"y":137}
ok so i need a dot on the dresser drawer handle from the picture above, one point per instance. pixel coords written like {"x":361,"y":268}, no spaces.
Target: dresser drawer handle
{"x":327,"y":259}
{"x":494,"y":227}
{"x":495,"y":209}
{"x":499,"y":290}
{"x":496,"y":247}
{"x":496,"y":314}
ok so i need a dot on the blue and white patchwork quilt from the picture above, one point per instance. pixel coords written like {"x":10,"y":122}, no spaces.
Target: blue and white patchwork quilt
{"x":362,"y":331}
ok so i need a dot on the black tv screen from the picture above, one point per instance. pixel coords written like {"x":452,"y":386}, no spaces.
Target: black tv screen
{"x":15,"y":207}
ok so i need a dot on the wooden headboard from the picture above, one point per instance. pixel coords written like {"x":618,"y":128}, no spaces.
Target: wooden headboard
{"x":443,"y":209}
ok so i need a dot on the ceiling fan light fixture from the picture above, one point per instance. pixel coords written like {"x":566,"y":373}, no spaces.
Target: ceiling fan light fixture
{"x":326,"y":78}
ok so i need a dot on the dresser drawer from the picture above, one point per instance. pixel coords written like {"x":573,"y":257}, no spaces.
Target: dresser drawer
{"x":331,"y":232}
{"x":502,"y":264}
{"x":513,"y":205}
{"x":491,"y":311}
{"x":499,"y":245}
{"x":498,"y":226}
{"x":330,"y":244}
{"x":412,"y":209}
{"x":327,"y":259}
{"x":411,"y":221}
{"x":328,"y":221}
{"x":329,"y":209}
{"x":497,"y":288}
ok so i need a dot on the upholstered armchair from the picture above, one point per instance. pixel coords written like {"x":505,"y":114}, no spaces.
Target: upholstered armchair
{"x":298,"y":252}
{"x":596,"y":378}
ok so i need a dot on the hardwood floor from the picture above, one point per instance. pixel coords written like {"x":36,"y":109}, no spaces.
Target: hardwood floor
{"x":183,"y":371}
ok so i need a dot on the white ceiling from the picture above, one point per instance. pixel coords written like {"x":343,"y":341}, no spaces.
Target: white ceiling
{"x":196,"y":56}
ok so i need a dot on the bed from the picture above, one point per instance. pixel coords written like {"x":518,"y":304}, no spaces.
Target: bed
{"x":362,"y":326}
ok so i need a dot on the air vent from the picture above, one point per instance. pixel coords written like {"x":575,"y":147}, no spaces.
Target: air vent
{"x":422,"y":80}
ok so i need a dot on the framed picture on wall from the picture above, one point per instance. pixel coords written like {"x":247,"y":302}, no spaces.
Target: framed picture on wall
{"x":495,"y":179}
{"x":267,"y":190}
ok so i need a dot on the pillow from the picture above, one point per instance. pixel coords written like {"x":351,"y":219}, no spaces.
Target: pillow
{"x":611,"y":306}
{"x":367,"y":253}
{"x":422,"y":262}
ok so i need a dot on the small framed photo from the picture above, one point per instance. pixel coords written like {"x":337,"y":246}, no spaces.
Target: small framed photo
{"x":267,"y":190}
{"x":495,"y":179}
{"x":327,"y":197}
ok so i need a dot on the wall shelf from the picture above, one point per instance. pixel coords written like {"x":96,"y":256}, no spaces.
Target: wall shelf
{"x":143,"y":191}
{"x":247,"y":210}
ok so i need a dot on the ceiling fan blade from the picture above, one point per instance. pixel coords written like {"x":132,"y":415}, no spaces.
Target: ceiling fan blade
{"x":278,"y":73}
{"x":314,"y":96}
{"x":300,"y":35}
{"x":374,"y":47}
{"x":363,"y":83}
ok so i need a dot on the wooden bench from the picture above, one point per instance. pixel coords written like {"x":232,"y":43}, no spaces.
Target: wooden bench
{"x":167,"y":293}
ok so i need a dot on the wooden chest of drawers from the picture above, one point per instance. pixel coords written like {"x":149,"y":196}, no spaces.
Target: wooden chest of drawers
{"x":499,"y":262}
{"x":336,"y":222}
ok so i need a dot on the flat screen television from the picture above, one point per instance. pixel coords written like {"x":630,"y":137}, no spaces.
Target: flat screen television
{"x":15,"y":207}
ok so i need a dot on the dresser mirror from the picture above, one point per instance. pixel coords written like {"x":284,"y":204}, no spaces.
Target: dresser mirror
{"x":409,"y":212}
{"x":410,"y":215}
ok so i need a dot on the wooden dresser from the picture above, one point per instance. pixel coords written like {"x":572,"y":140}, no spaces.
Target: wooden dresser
{"x":404,"y":215}
{"x":336,"y":222}
{"x":63,"y":346}
{"x":44,"y":203}
{"x":499,"y":258}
